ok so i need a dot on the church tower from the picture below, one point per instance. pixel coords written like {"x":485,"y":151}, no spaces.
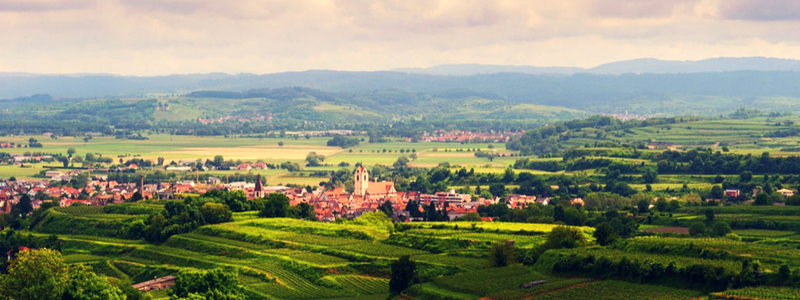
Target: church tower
{"x":258,"y":192}
{"x":361,"y":182}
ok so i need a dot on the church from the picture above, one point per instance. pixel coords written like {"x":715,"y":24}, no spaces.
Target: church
{"x":366,"y":189}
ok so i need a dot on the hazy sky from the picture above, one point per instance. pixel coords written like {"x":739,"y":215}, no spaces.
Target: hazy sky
{"x":153,"y":37}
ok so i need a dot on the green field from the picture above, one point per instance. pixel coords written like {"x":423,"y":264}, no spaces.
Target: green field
{"x":298,"y":259}
{"x":246,"y":149}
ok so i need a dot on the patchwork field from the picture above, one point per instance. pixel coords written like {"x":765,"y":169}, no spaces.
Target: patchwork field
{"x":289,"y":258}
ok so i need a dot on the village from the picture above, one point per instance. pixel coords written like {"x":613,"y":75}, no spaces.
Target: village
{"x":330,"y":204}
{"x":468,"y":136}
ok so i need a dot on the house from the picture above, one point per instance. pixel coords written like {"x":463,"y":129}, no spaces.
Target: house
{"x":213,"y":181}
{"x":165,"y":282}
{"x":577,"y":201}
{"x":786,"y":192}
{"x":260,"y":165}
{"x":53,"y":173}
{"x":244,"y":167}
{"x":10,"y":253}
{"x":133,"y":167}
{"x":732,"y":193}
{"x":70,"y":202}
{"x":5,"y":206}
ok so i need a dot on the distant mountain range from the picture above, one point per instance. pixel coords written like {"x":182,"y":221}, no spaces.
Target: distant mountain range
{"x":636,"y":66}
{"x":610,"y":83}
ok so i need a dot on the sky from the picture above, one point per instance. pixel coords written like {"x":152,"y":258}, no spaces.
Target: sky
{"x":159,"y":37}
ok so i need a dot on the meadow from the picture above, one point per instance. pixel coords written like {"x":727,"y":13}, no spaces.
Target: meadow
{"x":251,"y":149}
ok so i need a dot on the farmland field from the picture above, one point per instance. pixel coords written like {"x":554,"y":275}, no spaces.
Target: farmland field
{"x":295,"y":256}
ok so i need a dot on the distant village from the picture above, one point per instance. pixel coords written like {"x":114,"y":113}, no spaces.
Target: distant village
{"x":468,"y":136}
{"x":330,"y":204}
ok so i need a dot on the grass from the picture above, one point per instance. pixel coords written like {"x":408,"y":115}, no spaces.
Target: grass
{"x":28,"y":172}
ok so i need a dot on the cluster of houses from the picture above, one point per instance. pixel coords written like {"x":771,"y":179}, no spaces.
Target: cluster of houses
{"x":368,"y":196}
{"x":468,"y":136}
{"x":22,"y":158}
{"x":237,"y":118}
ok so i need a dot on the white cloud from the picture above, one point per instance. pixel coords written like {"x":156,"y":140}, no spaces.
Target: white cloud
{"x":147,"y":37}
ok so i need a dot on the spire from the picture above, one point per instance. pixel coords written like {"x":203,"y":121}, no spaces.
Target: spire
{"x":258,"y":192}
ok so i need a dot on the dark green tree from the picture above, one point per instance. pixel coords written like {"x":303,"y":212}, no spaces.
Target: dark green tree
{"x":25,"y":206}
{"x":604,"y":234}
{"x":275,"y":206}
{"x":697,"y":228}
{"x":214,"y":284}
{"x":403,"y":273}
{"x":501,"y":254}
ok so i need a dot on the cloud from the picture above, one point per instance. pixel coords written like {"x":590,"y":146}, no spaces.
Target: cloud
{"x":262,"y":36}
{"x":636,"y":9}
{"x":44,"y":5}
{"x":760,"y":10}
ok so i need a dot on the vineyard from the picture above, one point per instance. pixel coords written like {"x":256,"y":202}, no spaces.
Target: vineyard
{"x":293,"y":259}
{"x":757,"y":293}
{"x":614,"y":290}
{"x":771,"y":255}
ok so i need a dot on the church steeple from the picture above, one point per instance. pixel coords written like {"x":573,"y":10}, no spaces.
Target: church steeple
{"x":361,"y":182}
{"x":258,"y":192}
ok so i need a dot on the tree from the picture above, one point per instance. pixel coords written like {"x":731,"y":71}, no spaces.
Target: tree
{"x":25,"y":206}
{"x":219,"y":160}
{"x":508,"y":175}
{"x":643,"y":205}
{"x":697,"y":228}
{"x":137,"y":196}
{"x":280,"y":144}
{"x":63,"y":160}
{"x":746,"y":176}
{"x":717,"y":192}
{"x":650,"y":176}
{"x":304,"y":211}
{"x":387,"y":209}
{"x":564,"y":237}
{"x":762,"y":199}
{"x":709,"y":213}
{"x":275,"y":206}
{"x":312,"y":159}
{"x":70,"y":152}
{"x":86,"y":285}
{"x":214,"y":213}
{"x":604,"y":234}
{"x":36,"y":275}
{"x":403,"y":273}
{"x":501,"y":254}
{"x":721,"y":229}
{"x":662,"y":205}
{"x":430,"y":213}
{"x":497,"y":189}
{"x":469,"y":217}
{"x":402,"y":161}
{"x":412,"y":207}
{"x":214,"y":284}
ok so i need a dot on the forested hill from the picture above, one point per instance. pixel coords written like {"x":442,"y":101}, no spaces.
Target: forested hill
{"x":642,"y":94}
{"x":286,"y":108}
